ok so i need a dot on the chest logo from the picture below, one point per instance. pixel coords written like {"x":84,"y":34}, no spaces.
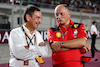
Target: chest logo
{"x":75,"y":33}
{"x":75,"y":25}
{"x":58,"y":34}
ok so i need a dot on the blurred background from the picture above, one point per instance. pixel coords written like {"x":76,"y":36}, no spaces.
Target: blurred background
{"x":11,"y":16}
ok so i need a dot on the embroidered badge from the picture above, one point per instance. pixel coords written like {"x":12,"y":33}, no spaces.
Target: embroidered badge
{"x":75,"y":33}
{"x":58,"y":34}
{"x":75,"y":25}
{"x":85,"y":38}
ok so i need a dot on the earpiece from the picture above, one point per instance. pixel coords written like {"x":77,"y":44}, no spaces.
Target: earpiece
{"x":85,"y":59}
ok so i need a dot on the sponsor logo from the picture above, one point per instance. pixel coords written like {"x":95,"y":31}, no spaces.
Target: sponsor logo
{"x":58,"y":34}
{"x":75,"y":25}
{"x":75,"y":33}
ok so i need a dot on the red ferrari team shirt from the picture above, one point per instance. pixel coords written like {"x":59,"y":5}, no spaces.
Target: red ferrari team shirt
{"x":73,"y":31}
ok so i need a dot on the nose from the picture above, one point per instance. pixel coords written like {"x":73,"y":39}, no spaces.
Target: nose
{"x":58,"y":16}
{"x":40,"y":21}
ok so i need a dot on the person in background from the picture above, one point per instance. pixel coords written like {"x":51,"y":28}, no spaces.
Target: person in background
{"x":25,"y":42}
{"x":86,"y":27}
{"x":93,"y":34}
{"x":67,"y":39}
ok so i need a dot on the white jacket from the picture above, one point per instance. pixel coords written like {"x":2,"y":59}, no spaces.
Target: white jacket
{"x":17,"y":41}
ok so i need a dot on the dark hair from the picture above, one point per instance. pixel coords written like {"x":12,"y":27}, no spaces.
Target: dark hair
{"x":94,"y":22}
{"x":30,"y":10}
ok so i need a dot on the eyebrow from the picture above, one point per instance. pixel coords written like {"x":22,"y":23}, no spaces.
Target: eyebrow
{"x":38,"y":17}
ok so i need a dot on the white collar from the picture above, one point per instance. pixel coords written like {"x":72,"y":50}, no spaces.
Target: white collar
{"x":27,"y":30}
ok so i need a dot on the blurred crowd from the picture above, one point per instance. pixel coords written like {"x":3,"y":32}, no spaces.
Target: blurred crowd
{"x":86,"y":4}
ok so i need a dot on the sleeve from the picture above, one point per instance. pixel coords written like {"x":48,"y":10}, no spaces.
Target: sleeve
{"x":43,"y":50}
{"x":18,"y":49}
{"x":82,"y":32}
{"x":51,"y":36}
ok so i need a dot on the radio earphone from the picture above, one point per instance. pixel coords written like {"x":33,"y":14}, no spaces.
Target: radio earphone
{"x":86,"y":59}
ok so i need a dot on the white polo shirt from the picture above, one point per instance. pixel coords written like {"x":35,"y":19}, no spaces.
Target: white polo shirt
{"x":93,"y":29}
{"x":17,"y":41}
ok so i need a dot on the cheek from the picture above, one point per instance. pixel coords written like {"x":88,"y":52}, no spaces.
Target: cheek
{"x":66,"y":18}
{"x":34,"y":21}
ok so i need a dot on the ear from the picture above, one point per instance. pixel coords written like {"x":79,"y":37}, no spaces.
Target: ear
{"x":28,"y":17}
{"x":69,"y":14}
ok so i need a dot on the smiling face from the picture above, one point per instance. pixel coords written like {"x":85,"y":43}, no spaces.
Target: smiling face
{"x":35,"y":20}
{"x":62,"y":15}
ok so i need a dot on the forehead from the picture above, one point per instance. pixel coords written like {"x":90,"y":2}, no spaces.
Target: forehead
{"x":37,"y":13}
{"x":60,"y":9}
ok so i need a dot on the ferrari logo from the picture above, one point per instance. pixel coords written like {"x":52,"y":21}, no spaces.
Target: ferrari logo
{"x":75,"y":33}
{"x":76,"y":25}
{"x":58,"y":34}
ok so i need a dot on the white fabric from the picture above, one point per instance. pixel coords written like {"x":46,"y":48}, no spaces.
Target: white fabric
{"x":17,"y":41}
{"x":93,"y":29}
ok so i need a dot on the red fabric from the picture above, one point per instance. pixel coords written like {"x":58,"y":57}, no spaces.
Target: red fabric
{"x":83,"y":50}
{"x":71,"y":64}
{"x":86,"y":59}
{"x":70,"y":55}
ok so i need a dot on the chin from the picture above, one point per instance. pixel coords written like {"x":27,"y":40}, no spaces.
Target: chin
{"x":36,"y":27}
{"x":61,"y":23}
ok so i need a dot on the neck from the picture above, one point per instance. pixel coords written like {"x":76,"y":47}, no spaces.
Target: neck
{"x":31,"y":29}
{"x":66,"y":24}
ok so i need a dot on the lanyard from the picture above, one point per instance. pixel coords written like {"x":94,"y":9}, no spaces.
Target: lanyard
{"x":63,"y":35}
{"x":27,"y":36}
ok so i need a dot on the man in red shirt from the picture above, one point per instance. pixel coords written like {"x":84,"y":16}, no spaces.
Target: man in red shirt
{"x":66,"y":39}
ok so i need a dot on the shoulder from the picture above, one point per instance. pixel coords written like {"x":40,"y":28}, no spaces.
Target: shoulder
{"x":55,"y":28}
{"x":77,"y":25}
{"x":92,"y":26}
{"x":38,"y":35}
{"x":16,"y":30}
{"x":37,"y":32}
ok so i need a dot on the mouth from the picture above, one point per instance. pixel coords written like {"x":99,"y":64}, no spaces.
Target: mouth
{"x":59,"y":20}
{"x":37,"y":23}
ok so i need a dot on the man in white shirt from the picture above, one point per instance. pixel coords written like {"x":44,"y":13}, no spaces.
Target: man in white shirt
{"x":93,"y":34}
{"x":26,"y":43}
